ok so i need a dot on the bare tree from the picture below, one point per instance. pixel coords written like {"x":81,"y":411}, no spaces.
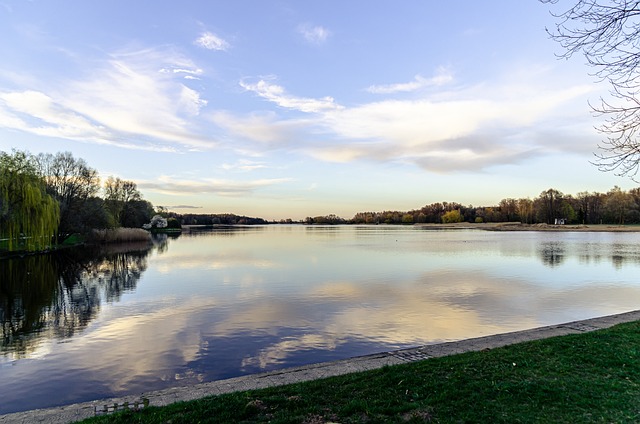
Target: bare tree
{"x":607,"y":33}
{"x":123,"y":199}
{"x":72,"y":183}
{"x":547,"y":205}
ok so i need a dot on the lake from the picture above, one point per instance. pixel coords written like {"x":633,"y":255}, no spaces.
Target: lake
{"x":86,"y":324}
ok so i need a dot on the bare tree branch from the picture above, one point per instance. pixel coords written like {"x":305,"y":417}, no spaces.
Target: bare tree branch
{"x":607,"y":33}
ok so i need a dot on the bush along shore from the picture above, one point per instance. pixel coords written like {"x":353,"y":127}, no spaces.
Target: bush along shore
{"x":592,"y":377}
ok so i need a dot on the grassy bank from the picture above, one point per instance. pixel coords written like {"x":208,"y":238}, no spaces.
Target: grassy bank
{"x":592,"y":377}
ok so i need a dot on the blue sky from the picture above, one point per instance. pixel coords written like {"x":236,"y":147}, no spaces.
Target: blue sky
{"x":288,"y":109}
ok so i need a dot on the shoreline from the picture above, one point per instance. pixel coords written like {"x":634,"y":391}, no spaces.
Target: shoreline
{"x":517,"y":226}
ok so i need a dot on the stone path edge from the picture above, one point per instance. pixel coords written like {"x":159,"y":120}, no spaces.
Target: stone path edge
{"x":79,"y":411}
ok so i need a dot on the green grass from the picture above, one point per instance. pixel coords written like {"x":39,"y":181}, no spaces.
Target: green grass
{"x":585,"y":378}
{"x":73,"y":240}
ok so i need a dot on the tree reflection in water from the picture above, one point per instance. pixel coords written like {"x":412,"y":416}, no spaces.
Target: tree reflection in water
{"x":55,"y":296}
{"x":552,"y":253}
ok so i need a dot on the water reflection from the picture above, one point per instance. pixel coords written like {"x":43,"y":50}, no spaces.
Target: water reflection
{"x":221,"y":230}
{"x":57,"y":295}
{"x":552,"y":253}
{"x":221,"y":303}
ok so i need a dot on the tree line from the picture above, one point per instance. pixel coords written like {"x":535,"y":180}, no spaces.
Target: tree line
{"x":616,"y":207}
{"x":213,"y":219}
{"x":46,"y":198}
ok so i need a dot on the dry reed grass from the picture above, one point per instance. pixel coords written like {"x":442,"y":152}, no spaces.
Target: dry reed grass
{"x":120,"y":235}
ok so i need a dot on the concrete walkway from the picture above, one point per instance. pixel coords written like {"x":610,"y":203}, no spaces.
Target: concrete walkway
{"x":79,"y":411}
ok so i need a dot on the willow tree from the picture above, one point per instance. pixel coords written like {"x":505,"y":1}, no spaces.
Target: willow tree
{"x":29,"y":217}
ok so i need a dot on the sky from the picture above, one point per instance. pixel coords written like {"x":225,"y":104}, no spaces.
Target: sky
{"x":287,"y":109}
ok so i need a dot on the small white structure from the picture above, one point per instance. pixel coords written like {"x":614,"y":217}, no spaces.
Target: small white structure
{"x":560,"y":221}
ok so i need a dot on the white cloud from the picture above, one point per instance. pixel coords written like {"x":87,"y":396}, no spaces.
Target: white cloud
{"x":243,"y":165}
{"x":190,"y":101}
{"x":130,"y":100}
{"x":277,"y":94}
{"x":139,"y":99}
{"x":175,"y":186}
{"x":264,"y":128}
{"x":51,"y":117}
{"x":441,"y":78}
{"x":191,"y":74}
{"x":467,"y":128}
{"x":210,"y":41}
{"x":445,"y":135}
{"x":314,"y":34}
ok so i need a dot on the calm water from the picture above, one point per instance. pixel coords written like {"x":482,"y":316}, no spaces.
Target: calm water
{"x":216,"y":304}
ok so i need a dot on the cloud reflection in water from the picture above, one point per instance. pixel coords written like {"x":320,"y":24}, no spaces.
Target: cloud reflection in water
{"x":218,"y":305}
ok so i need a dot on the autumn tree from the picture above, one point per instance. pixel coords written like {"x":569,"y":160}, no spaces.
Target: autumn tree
{"x":407,"y":218}
{"x":453,"y":216}
{"x":525,"y":210}
{"x":607,"y":34}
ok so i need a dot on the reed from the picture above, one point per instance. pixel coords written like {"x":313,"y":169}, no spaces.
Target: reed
{"x":120,"y":235}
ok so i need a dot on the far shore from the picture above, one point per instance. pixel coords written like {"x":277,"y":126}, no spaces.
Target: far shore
{"x":517,"y":226}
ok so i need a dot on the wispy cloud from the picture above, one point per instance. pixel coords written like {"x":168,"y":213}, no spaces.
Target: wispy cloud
{"x":243,"y":165}
{"x":130,"y":100}
{"x":264,"y":128}
{"x":170,"y":185}
{"x":188,"y":73}
{"x":211,"y":41}
{"x":314,"y":33}
{"x":139,"y":99}
{"x":467,"y":128}
{"x":183,"y":207}
{"x":278,"y":95}
{"x":468,"y":133}
{"x":419,"y":82}
{"x":50,"y":115}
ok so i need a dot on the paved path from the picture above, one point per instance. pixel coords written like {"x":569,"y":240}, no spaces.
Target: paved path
{"x":79,"y":411}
